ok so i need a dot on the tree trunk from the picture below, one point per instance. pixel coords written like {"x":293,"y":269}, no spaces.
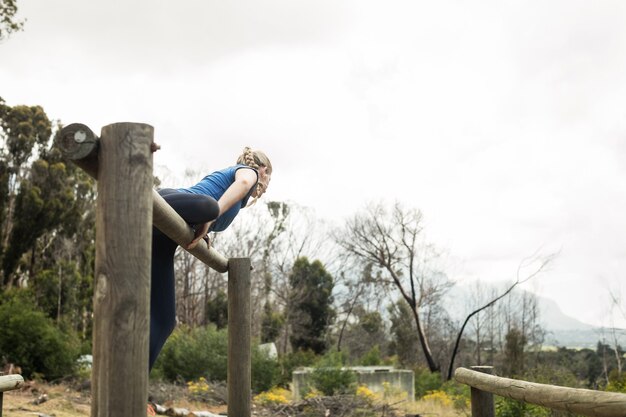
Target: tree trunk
{"x":433,"y":366}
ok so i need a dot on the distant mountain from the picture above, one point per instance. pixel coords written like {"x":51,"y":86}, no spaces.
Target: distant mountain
{"x":566,"y":331}
{"x":562,"y":330}
{"x":552,"y":318}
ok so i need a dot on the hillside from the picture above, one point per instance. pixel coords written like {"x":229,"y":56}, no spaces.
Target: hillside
{"x":562,"y":330}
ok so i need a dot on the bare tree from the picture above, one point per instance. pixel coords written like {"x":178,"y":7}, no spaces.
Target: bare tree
{"x":303,"y":236}
{"x":392,"y":241}
{"x":534,"y":260}
{"x":358,"y":290}
{"x":616,"y":304}
{"x":274,"y":235}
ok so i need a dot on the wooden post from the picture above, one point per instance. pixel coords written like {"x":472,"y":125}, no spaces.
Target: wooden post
{"x":482,"y":401}
{"x":122,"y":272}
{"x":239,"y":328}
{"x":1,"y":396}
{"x":80,"y":144}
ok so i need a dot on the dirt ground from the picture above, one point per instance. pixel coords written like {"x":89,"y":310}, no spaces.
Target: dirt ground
{"x":62,"y":400}
{"x":65,"y":401}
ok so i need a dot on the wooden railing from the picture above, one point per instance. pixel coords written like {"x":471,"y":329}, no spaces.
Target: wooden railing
{"x":579,"y":401}
{"x":8,"y":383}
{"x":126,"y":208}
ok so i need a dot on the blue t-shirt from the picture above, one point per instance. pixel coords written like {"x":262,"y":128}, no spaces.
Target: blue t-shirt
{"x":215,"y":185}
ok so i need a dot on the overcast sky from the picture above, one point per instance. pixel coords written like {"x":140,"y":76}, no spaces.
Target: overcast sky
{"x":503,"y":121}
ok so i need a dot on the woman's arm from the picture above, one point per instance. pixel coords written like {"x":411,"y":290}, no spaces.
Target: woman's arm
{"x":245,"y":179}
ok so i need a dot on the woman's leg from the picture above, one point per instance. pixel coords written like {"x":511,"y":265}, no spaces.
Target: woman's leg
{"x":194,"y":209}
{"x":162,"y":295}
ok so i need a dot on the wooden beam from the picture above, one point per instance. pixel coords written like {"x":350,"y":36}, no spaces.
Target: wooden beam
{"x":169,"y":222}
{"x":11,"y":382}
{"x":79,"y":144}
{"x":578,"y":401}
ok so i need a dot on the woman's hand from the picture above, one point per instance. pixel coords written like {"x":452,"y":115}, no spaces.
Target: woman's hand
{"x":201,"y":232}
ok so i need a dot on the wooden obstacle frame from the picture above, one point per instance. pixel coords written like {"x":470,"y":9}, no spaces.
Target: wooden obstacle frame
{"x":8,"y":383}
{"x":127,"y":207}
{"x":583,"y":402}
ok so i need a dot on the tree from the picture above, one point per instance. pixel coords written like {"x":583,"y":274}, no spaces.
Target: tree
{"x":403,"y":334}
{"x":271,"y":323}
{"x":311,"y":313}
{"x":358,"y":295}
{"x":616,"y":304}
{"x":217,"y":310}
{"x":364,"y":333}
{"x":21,"y":128}
{"x":514,"y":352}
{"x":391,"y":241}
{"x":8,"y":22}
{"x":44,"y":204}
{"x":272,"y":320}
{"x":520,"y":280}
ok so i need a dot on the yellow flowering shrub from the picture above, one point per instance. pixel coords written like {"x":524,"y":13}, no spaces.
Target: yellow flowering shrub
{"x":364,"y":392}
{"x":439,"y":397}
{"x":198,"y":387}
{"x":274,"y":396}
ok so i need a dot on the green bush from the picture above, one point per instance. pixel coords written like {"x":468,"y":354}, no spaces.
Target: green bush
{"x":426,"y":381}
{"x":371,"y":357}
{"x":193,"y":353}
{"x":506,"y":407}
{"x":617,"y":382}
{"x":202,"y":352}
{"x":330,"y":378}
{"x":291,"y":361}
{"x":265,"y":371}
{"x":32,"y":341}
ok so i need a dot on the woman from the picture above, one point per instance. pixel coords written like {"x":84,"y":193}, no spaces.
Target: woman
{"x":209,"y":206}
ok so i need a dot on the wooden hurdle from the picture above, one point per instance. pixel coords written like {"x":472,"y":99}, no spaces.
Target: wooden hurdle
{"x":8,"y":383}
{"x":127,"y":207}
{"x":584,"y":402}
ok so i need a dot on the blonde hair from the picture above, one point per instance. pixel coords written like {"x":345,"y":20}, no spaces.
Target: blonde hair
{"x":254,"y":159}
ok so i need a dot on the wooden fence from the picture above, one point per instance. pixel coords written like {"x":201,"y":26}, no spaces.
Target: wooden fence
{"x":583,"y":402}
{"x":126,"y":208}
{"x":8,"y":383}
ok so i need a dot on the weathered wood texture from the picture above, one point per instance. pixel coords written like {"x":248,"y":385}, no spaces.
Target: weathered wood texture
{"x":239,"y":329}
{"x":122,"y":272}
{"x":84,"y":153}
{"x":579,"y":401}
{"x":10,"y":382}
{"x":80,"y":144}
{"x":482,"y":401}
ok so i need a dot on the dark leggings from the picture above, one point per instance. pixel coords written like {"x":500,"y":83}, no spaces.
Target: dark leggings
{"x":194,"y":209}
